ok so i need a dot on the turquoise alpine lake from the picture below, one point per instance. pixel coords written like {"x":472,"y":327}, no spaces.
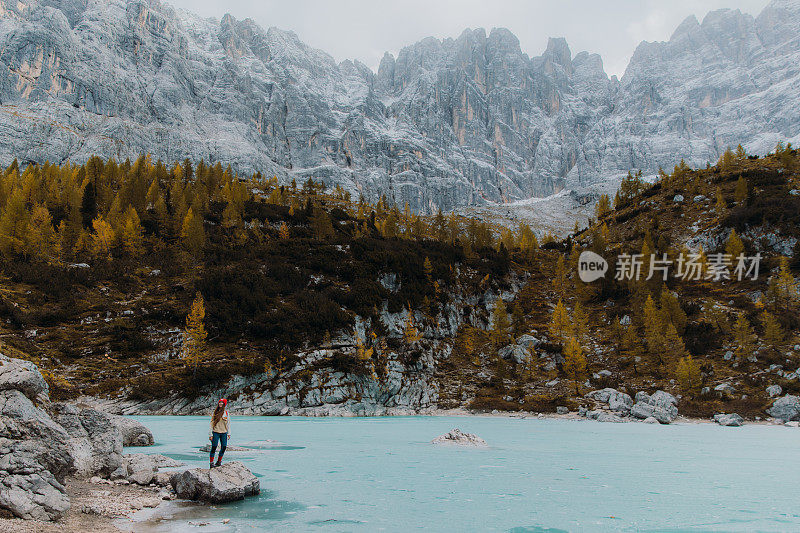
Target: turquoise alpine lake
{"x":383,"y":474}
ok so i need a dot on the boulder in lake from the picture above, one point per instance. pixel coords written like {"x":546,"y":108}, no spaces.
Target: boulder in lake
{"x":229,"y":482}
{"x":650,"y":420}
{"x":733,"y":419}
{"x":460,"y":438}
{"x":786,"y":408}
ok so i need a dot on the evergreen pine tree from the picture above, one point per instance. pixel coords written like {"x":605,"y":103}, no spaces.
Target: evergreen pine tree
{"x":744,"y":338}
{"x":103,"y":238}
{"x":427,"y":269}
{"x":195,"y":334}
{"x":574,"y":362}
{"x":131,"y":235}
{"x":740,"y":192}
{"x":734,"y":246}
{"x":283,"y":232}
{"x":559,"y":326}
{"x":687,"y":374}
{"x":773,"y":333}
{"x":193,"y":235}
{"x":500,"y":323}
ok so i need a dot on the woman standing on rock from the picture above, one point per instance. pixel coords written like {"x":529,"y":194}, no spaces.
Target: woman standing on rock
{"x":220,"y":431}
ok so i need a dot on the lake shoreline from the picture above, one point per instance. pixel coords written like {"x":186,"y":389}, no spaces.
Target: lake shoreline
{"x":465,"y":413}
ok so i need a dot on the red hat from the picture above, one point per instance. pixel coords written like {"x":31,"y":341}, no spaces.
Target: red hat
{"x":223,"y":400}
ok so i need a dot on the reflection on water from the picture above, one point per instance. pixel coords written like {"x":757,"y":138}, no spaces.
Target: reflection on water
{"x":383,"y":474}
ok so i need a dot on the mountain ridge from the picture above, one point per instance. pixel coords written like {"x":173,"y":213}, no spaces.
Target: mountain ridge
{"x":452,"y":122}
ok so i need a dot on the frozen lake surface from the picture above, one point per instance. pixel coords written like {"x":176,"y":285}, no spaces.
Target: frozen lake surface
{"x":383,"y":474}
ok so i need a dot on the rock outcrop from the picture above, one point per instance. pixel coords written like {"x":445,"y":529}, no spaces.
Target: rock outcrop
{"x":42,"y":442}
{"x":133,"y":433}
{"x":660,"y":406}
{"x":34,"y":450}
{"x":458,"y":437}
{"x":143,"y":469}
{"x":616,"y":401}
{"x":229,"y":482}
{"x":446,"y":123}
{"x":732,"y":419}
{"x":786,"y":408}
{"x":95,"y":443}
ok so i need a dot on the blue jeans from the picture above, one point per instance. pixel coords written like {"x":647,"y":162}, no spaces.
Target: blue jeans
{"x":222,"y":439}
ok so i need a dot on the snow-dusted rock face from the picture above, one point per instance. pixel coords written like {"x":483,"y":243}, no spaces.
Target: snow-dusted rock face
{"x":462,"y":121}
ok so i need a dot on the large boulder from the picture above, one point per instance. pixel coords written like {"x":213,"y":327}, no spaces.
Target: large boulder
{"x":133,"y":432}
{"x":786,"y":408}
{"x":226,"y":483}
{"x":143,"y":469}
{"x":609,"y":417}
{"x":34,"y":459}
{"x":95,"y":442}
{"x":660,"y":405}
{"x":23,"y":376}
{"x":460,"y":438}
{"x":515,"y":353}
{"x":616,"y":400}
{"x":732,"y":419}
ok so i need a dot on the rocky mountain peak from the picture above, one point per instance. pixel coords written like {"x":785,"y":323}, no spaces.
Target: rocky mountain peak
{"x":466,"y":120}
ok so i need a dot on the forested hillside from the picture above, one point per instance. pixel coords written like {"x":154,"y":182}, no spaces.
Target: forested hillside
{"x":144,"y":281}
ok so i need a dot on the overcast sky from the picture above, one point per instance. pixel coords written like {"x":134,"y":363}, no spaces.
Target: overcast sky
{"x":365,"y":29}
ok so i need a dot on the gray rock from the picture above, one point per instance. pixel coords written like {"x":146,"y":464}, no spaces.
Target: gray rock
{"x":515,"y":353}
{"x":725,"y":388}
{"x":143,"y":469}
{"x":617,"y":401}
{"x":728,"y":355}
{"x":642,"y":396}
{"x":774,"y":390}
{"x":660,"y":405}
{"x":561,"y":410}
{"x":95,"y":442}
{"x":133,"y":432}
{"x":609,"y":417}
{"x":677,"y":198}
{"x":732,"y":419}
{"x":229,"y":482}
{"x":23,"y":376}
{"x":651,"y":420}
{"x":34,"y":459}
{"x":786,"y":408}
{"x":458,"y":437}
{"x":528,"y":341}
